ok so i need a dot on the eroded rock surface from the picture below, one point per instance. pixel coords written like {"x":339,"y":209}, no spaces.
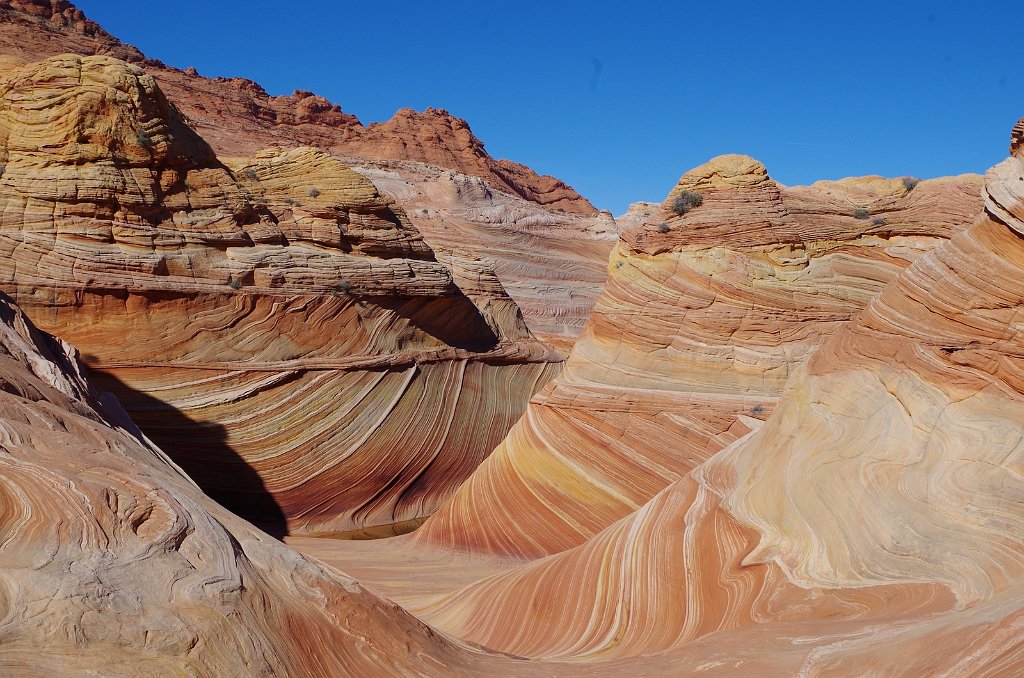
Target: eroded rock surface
{"x":868,"y":526}
{"x":237,"y":116}
{"x":703,"y":319}
{"x":113,"y":562}
{"x":278,"y":326}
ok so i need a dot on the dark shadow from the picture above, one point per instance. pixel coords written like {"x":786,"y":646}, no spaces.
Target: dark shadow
{"x":453,"y":320}
{"x":202,"y":451}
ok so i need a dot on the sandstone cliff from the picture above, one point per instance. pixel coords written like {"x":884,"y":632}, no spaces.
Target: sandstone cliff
{"x":867,"y":526}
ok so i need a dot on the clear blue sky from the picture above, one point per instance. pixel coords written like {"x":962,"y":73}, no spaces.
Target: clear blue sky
{"x":620,"y":98}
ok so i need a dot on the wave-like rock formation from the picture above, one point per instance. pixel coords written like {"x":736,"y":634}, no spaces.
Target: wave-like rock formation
{"x":701,"y":323}
{"x":870,"y":526}
{"x":279,"y":327}
{"x":112,"y":562}
{"x":237,"y":117}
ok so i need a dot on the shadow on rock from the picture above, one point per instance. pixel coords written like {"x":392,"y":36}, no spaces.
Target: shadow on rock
{"x":202,"y":450}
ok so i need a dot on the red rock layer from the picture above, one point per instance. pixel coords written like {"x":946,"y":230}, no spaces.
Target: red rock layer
{"x":237,"y":117}
{"x":700,"y":325}
{"x":280,"y":328}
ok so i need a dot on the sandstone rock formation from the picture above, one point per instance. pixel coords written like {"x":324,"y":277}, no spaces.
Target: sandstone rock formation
{"x":869,"y":525}
{"x":292,"y":340}
{"x":546,"y":244}
{"x":112,"y":562}
{"x":237,"y":117}
{"x":553,"y":265}
{"x":702,"y":320}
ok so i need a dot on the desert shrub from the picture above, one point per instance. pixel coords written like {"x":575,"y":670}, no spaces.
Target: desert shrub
{"x":878,"y":221}
{"x":686,"y":201}
{"x":313,"y":192}
{"x":144,"y":139}
{"x":235,"y":284}
{"x":910,"y":182}
{"x":860,"y":213}
{"x":251,"y":174}
{"x":663,"y":227}
{"x":343,"y":287}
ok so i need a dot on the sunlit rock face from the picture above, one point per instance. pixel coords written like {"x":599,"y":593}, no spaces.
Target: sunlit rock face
{"x":704,"y":317}
{"x":238,"y":117}
{"x":544,"y":242}
{"x":542,"y":247}
{"x":112,"y":562}
{"x":278,"y":326}
{"x":870,"y":525}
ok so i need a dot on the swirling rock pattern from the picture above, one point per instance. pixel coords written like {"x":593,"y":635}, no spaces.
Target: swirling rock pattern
{"x":870,"y":526}
{"x":113,"y":562}
{"x":702,"y":321}
{"x":546,"y":244}
{"x":293,"y":342}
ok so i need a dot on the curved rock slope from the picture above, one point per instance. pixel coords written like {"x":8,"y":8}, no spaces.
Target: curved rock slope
{"x":871,"y":525}
{"x":701,"y":323}
{"x":113,"y":562}
{"x":279,"y":316}
{"x":238,"y":117}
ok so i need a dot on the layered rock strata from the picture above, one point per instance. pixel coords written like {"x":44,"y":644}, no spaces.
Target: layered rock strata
{"x":113,"y":562}
{"x":278,"y":326}
{"x":553,"y":265}
{"x":545,"y":243}
{"x":868,"y":526}
{"x":703,"y":319}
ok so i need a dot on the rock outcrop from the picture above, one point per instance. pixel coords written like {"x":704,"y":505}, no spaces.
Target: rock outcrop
{"x":237,"y":117}
{"x":545,"y":243}
{"x":552,"y":264}
{"x":278,"y":326}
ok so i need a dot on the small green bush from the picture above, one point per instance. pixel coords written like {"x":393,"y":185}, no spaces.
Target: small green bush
{"x":251,"y":174}
{"x":144,"y":138}
{"x":235,"y":284}
{"x":910,"y":182}
{"x":878,"y":221}
{"x":860,"y":213}
{"x":343,"y":287}
{"x":663,"y":227}
{"x":686,"y":201}
{"x":313,"y":192}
